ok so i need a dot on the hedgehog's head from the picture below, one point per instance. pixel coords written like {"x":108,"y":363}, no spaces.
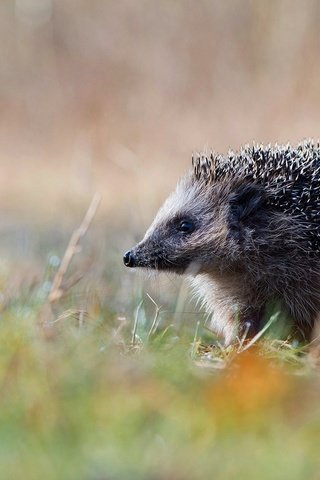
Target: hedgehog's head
{"x":202,"y":227}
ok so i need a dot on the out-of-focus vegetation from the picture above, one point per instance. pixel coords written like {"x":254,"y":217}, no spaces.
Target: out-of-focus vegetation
{"x":117,"y":95}
{"x":87,"y":393}
{"x":107,"y":383}
{"x":119,"y":379}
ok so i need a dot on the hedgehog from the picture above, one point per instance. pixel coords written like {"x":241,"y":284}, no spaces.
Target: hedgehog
{"x":245,"y":227}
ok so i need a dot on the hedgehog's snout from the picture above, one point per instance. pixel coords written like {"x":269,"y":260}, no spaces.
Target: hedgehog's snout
{"x":142,"y":255}
{"x":128,"y":259}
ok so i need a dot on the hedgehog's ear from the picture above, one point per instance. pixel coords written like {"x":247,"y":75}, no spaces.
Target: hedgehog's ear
{"x":246,"y":200}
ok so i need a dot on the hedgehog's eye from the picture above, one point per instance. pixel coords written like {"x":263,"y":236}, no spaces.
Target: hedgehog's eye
{"x":186,"y":226}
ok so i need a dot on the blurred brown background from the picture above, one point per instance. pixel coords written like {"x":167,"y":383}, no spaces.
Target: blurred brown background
{"x":116,"y":95}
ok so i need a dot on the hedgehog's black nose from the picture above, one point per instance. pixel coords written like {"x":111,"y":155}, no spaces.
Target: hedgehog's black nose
{"x":128,"y":259}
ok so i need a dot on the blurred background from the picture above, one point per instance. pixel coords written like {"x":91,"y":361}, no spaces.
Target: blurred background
{"x":119,"y":378}
{"x":114,"y":96}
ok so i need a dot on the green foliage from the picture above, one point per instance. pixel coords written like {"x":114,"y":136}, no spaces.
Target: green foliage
{"x":103,"y":386}
{"x":84,"y":401}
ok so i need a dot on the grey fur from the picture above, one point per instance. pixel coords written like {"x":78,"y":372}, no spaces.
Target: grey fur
{"x":256,"y":237}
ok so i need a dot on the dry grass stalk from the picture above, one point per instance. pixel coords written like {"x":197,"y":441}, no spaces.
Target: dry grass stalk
{"x":57,"y":290}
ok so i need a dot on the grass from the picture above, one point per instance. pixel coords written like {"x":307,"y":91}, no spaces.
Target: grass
{"x":103,"y":383}
{"x":105,"y":375}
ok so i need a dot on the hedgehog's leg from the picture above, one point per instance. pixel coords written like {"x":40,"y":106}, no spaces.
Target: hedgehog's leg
{"x":218,"y":305}
{"x":223,"y":318}
{"x":303,"y":305}
{"x":234,"y":320}
{"x":250,"y":321}
{"x":230,"y":306}
{"x":242,"y":310}
{"x":303,"y":322}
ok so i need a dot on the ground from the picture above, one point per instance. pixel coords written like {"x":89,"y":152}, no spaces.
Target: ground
{"x":106,"y":374}
{"x":118,"y":378}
